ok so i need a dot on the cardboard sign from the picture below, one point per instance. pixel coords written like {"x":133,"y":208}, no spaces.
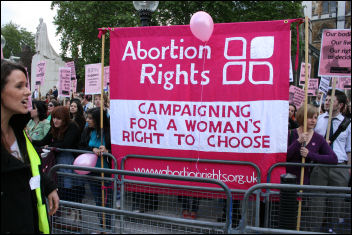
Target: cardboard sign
{"x":92,"y":79}
{"x":65,"y":81}
{"x":296,"y":96}
{"x":40,"y":73}
{"x":302,"y":75}
{"x":324,"y":84}
{"x":106,"y":77}
{"x":313,"y":86}
{"x":173,"y":95}
{"x":343,"y":83}
{"x":71,"y":64}
{"x":335,"y":53}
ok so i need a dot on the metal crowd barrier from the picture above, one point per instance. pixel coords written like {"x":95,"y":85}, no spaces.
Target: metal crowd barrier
{"x":286,"y":203}
{"x":212,"y":212}
{"x":113,"y":220}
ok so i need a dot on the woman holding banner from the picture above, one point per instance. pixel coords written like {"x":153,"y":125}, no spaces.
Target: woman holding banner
{"x":317,"y":150}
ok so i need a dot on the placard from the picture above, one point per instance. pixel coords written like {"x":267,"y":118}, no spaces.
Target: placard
{"x":335,"y":53}
{"x":92,"y":79}
{"x":65,"y":81}
{"x":40,"y":73}
{"x":313,"y":86}
{"x":302,"y":75}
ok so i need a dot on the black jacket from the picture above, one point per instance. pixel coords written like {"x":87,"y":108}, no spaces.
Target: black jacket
{"x":18,"y":202}
{"x":70,"y":140}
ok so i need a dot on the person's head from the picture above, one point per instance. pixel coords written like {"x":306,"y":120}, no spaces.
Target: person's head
{"x":50,"y":91}
{"x":67,"y":102}
{"x":93,"y":119}
{"x":312,"y":116}
{"x":292,"y":110}
{"x":97,"y":100}
{"x":39,"y":110}
{"x":339,"y":102}
{"x":76,"y":107}
{"x":54,"y":88}
{"x":14,"y":90}
{"x":51,"y":105}
{"x":60,"y":119}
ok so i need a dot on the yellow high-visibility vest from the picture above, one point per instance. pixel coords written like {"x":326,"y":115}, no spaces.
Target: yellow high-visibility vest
{"x":41,"y":207}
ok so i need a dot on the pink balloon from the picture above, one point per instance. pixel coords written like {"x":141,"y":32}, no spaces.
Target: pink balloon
{"x":87,"y":160}
{"x":202,"y":25}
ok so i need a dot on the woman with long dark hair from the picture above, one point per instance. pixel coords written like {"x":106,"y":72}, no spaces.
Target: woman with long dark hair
{"x":38,"y":127}
{"x":23,"y":186}
{"x":91,"y":141}
{"x":76,"y":113}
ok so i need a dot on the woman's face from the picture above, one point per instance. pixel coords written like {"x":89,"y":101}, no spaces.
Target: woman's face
{"x":73,"y":108}
{"x":34,"y":112}
{"x":312,"y":121}
{"x":50,"y":107}
{"x":90,"y":121}
{"x":14,"y":96}
{"x":57,"y":122}
{"x":291,"y":111}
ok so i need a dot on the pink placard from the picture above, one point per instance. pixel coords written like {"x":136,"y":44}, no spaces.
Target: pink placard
{"x":65,"y":81}
{"x":173,"y":95}
{"x":40,"y":73}
{"x":313,"y":86}
{"x":74,"y":85}
{"x":71,"y":64}
{"x":302,"y":75}
{"x":335,"y":53}
{"x":343,"y":83}
{"x":92,"y":79}
{"x":296,"y":96}
{"x":106,"y":77}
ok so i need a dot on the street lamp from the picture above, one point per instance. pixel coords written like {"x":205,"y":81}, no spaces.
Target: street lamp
{"x":145,"y":10}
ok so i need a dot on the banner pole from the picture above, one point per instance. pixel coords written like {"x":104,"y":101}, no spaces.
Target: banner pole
{"x":101,"y":122}
{"x":332,"y":97}
{"x":306,"y":37}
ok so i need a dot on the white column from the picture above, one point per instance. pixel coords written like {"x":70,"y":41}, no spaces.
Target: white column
{"x":341,"y":14}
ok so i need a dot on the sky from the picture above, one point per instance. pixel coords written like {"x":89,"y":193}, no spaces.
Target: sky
{"x":26,"y":14}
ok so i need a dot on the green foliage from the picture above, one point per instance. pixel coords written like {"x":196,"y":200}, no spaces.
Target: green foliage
{"x":16,"y":38}
{"x":78,"y":21}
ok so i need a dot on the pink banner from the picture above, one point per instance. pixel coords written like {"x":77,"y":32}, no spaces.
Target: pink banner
{"x":302,"y":76}
{"x":65,"y":81}
{"x":343,"y":83}
{"x":313,"y":86}
{"x":173,"y":95}
{"x":335,"y":53}
{"x":296,"y":96}
{"x":40,"y":73}
{"x":92,"y":79}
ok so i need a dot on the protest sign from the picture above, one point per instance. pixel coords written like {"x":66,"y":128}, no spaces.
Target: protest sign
{"x":302,"y":75}
{"x":71,"y":64}
{"x":173,"y":95}
{"x":40,"y":73}
{"x":343,"y":83}
{"x":313,"y":85}
{"x":106,"y":77}
{"x":92,"y":79}
{"x":65,"y":81}
{"x":324,"y":84}
{"x":335,"y":53}
{"x":296,"y":96}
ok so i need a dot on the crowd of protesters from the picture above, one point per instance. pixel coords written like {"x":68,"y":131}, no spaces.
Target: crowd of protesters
{"x":74,"y":123}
